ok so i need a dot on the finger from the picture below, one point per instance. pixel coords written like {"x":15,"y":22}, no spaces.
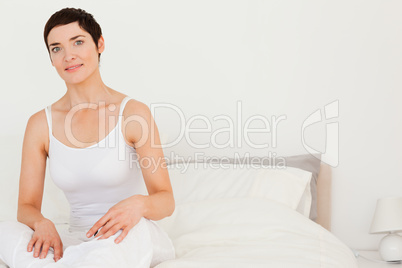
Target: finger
{"x":61,"y":247}
{"x":38,"y":245}
{"x":31,"y":244}
{"x":45,"y":249}
{"x":98,"y":224}
{"x":58,"y":251}
{"x":111,"y":232}
{"x":105,"y":228}
{"x":122,"y":235}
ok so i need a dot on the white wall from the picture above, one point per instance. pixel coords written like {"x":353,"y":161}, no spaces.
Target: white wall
{"x":277,"y":57}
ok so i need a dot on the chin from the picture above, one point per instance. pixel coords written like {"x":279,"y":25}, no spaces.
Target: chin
{"x":74,"y":81}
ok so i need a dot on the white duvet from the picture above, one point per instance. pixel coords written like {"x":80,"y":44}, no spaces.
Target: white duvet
{"x":250,"y":232}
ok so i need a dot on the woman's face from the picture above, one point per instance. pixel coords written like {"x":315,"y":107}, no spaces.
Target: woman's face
{"x":69,"y":45}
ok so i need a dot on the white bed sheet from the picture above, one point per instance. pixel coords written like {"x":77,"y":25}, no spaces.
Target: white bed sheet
{"x":250,"y":232}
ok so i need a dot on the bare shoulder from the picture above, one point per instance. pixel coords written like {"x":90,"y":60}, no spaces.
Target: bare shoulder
{"x":137,"y":120}
{"x":136,"y":107}
{"x":37,"y":129}
{"x":137,"y":112}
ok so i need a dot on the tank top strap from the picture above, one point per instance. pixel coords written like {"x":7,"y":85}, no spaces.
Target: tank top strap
{"x":123,"y":104}
{"x":48,"y":111}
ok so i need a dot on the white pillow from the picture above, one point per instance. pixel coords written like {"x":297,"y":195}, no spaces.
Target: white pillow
{"x":304,"y":206}
{"x":194,"y":182}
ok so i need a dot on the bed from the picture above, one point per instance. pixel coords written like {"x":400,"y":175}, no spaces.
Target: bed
{"x":250,"y":212}
{"x":244,"y":213}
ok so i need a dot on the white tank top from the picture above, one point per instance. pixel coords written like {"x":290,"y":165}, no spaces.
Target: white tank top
{"x":97,"y":177}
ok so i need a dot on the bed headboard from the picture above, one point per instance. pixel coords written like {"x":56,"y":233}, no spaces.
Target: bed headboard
{"x":323,"y":186}
{"x":324,"y":196}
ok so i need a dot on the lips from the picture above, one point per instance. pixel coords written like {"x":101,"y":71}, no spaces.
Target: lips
{"x":73,"y":67}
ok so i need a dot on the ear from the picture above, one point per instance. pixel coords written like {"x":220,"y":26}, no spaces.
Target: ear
{"x":101,"y":44}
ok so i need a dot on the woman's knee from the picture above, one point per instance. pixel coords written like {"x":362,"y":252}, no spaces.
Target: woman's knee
{"x":14,"y":237}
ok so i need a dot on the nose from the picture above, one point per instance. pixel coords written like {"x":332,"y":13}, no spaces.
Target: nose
{"x":69,"y":55}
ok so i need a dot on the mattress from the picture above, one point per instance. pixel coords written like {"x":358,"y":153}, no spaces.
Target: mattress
{"x":250,"y":232}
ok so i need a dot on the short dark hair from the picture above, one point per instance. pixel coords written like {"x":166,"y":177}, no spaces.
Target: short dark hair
{"x":68,"y":15}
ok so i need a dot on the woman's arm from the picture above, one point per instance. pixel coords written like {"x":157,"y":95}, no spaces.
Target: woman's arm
{"x":141,"y":130}
{"x":32,"y":177}
{"x":160,"y":201}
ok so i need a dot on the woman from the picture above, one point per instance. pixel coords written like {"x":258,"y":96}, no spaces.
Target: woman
{"x":91,"y":160}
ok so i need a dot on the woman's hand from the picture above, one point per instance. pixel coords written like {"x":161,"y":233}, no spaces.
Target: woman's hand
{"x":124,"y":215}
{"x":44,"y":237}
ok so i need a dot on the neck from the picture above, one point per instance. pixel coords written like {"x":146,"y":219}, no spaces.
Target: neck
{"x":91,"y":90}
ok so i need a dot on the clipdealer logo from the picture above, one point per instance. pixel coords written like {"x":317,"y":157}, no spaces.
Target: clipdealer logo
{"x":331,"y":154}
{"x":237,"y":129}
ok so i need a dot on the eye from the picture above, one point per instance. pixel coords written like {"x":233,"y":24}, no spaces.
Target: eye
{"x":80,"y":41}
{"x":53,"y":49}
